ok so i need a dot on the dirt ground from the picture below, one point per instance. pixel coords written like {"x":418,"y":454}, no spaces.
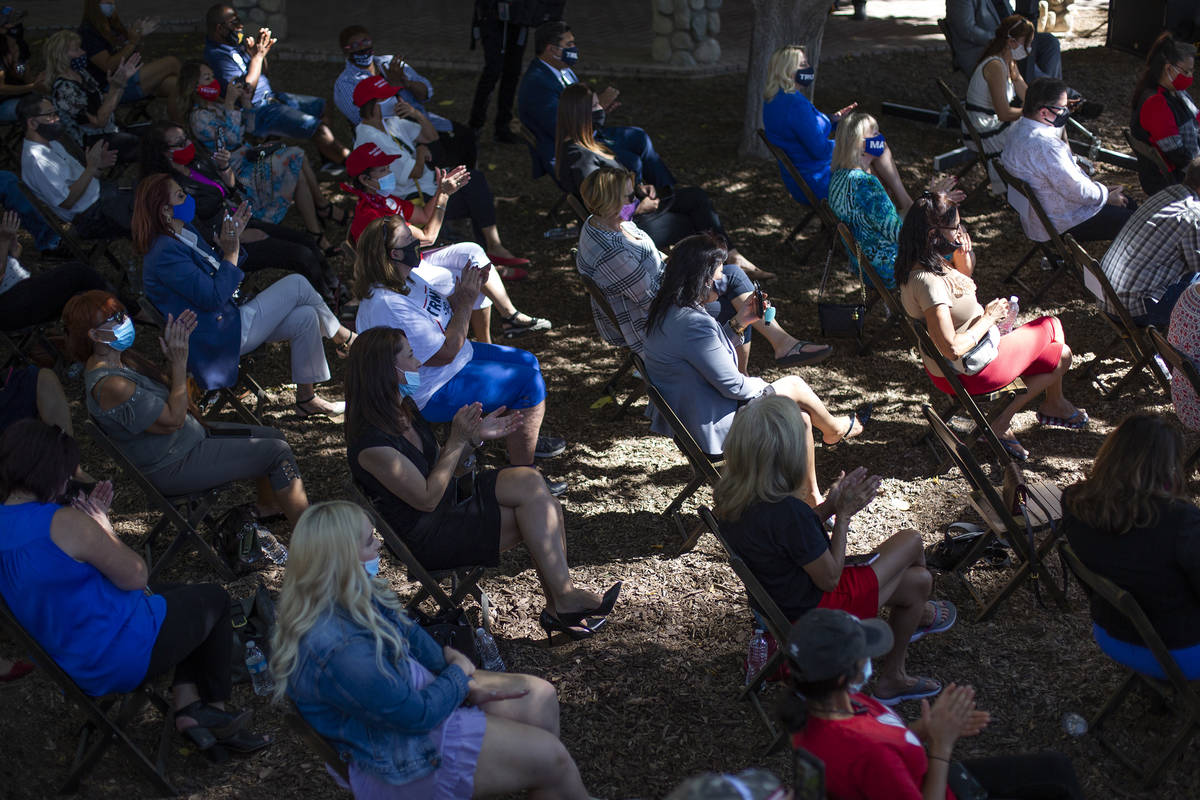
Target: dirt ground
{"x":653,"y":698}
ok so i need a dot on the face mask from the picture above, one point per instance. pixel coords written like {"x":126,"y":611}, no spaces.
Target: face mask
{"x":107,"y":9}
{"x":412,"y":381}
{"x":805,"y":76}
{"x":1019,"y":52}
{"x":409,"y":255}
{"x":79,"y":63}
{"x":874,"y":145}
{"x":387,"y":184}
{"x":372,"y":566}
{"x":570,"y":55}
{"x":944,"y":247}
{"x":363,"y":58}
{"x":599,"y":117}
{"x":209,"y":91}
{"x":1181,"y":82}
{"x":124,"y":334}
{"x":1060,"y":119}
{"x":184,"y":155}
{"x":627,"y":210}
{"x":387,"y":108}
{"x":185,"y":211}
{"x":50,"y":130}
{"x":857,"y":686}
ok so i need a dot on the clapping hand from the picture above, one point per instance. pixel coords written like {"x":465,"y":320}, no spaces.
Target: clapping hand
{"x":466,"y":422}
{"x":96,"y":504}
{"x":450,"y":181}
{"x":855,"y":492}
{"x":498,"y":424}
{"x":125,"y":70}
{"x":467,"y":287}
{"x":261,"y":44}
{"x":175,"y":335}
{"x":944,"y":184}
{"x":952,"y":715}
{"x":10,"y":226}
{"x":145,"y":26}
{"x":100,"y":156}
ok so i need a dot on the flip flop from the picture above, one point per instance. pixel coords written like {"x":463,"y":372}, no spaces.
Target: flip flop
{"x":797,"y":356}
{"x":944,"y":616}
{"x":1077,"y":421}
{"x":924,"y":687}
{"x":1011,"y":446}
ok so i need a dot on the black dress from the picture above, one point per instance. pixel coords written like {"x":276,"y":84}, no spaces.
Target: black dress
{"x":460,"y":532}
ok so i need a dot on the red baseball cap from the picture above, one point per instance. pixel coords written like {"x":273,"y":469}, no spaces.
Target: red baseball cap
{"x":376,"y":88}
{"x":366,"y":156}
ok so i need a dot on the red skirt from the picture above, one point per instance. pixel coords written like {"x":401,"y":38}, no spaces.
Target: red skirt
{"x":857,"y":592}
{"x":1035,"y":348}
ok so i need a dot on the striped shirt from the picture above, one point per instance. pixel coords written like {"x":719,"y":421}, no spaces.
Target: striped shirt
{"x":628,"y":272}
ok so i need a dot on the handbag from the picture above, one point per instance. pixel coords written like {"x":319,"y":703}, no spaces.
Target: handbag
{"x":253,"y":620}
{"x":449,"y":629}
{"x":983,"y":353}
{"x":254,"y":154}
{"x":841,"y":319}
{"x":964,"y":785}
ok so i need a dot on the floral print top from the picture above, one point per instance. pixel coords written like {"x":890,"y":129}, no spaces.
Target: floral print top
{"x":74,"y":100}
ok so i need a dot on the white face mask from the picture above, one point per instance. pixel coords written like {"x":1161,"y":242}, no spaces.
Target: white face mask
{"x":857,"y":686}
{"x":1019,"y":52}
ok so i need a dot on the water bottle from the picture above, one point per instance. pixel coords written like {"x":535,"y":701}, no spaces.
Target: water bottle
{"x":756,"y":655}
{"x":1074,"y":724}
{"x":272,"y":548}
{"x":489,"y":653}
{"x":1014,"y":308}
{"x":260,"y":673}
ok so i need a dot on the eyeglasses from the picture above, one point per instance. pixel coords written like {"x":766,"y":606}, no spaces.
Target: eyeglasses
{"x":630,"y":197}
{"x":1056,"y":109}
{"x":1183,"y":71}
{"x":365,"y":44}
{"x":117,"y":318}
{"x":178,"y":145}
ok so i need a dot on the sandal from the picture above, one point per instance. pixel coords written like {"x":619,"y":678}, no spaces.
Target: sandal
{"x":322,"y":244}
{"x":1077,"y":421}
{"x":944,"y":616}
{"x":339,"y":408}
{"x":343,"y":349}
{"x":1013,"y":447}
{"x":508,"y":261}
{"x":511,"y":274}
{"x":513,"y":328}
{"x":862,"y":415}
{"x":214,"y":721}
{"x":326,"y":212}
{"x":922,"y":688}
{"x":798,"y":356}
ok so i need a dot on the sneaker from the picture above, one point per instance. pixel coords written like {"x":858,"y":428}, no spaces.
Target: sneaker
{"x":332,"y":169}
{"x":549,"y":446}
{"x":557,"y":488}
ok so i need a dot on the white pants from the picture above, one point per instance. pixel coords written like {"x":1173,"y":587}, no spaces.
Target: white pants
{"x":291,"y":310}
{"x":440,"y":268}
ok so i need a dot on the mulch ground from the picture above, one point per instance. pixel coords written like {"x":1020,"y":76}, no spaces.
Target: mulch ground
{"x":653,"y":698}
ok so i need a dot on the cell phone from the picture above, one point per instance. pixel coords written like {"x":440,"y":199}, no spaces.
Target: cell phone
{"x":766,"y":312}
{"x":861,"y":559}
{"x":237,"y":433}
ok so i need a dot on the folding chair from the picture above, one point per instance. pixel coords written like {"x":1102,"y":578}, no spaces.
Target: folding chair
{"x":1141,"y":352}
{"x":944,"y":27}
{"x":1042,"y":512}
{"x":185,"y":513}
{"x":1054,"y":249}
{"x":982,"y":157}
{"x":1178,"y":694}
{"x":766,"y":611}
{"x":893,"y":310}
{"x":87,"y":251}
{"x":316,"y":742}
{"x":108,"y":718}
{"x":463,"y":580}
{"x":214,"y":400}
{"x":703,"y":465}
{"x":1179,"y":362}
{"x":610,"y":386}
{"x":816,"y":208}
{"x":539,"y":168}
{"x":1148,"y":155}
{"x":808,"y":775}
{"x":21,"y":342}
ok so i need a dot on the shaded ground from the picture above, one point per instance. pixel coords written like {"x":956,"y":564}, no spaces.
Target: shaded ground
{"x":653,"y":698}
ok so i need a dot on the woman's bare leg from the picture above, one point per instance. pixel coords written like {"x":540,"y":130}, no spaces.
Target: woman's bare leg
{"x":884,"y":168}
{"x":833,"y":429}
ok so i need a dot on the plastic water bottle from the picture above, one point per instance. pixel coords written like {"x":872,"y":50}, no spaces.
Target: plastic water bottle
{"x":756,"y":654}
{"x":1014,"y":308}
{"x":272,"y":548}
{"x":489,"y":653}
{"x":260,"y":673}
{"x":1074,"y":724}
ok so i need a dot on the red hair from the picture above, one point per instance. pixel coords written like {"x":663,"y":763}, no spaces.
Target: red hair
{"x":153,"y":193}
{"x":83,"y":312}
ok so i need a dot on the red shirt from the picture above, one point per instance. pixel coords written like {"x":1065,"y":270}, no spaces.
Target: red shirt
{"x":870,"y":756}
{"x":373,"y":206}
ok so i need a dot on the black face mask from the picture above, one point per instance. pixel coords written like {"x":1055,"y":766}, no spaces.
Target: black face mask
{"x":409,"y":255}
{"x":944,"y":247}
{"x":49,"y":130}
{"x":1060,"y":118}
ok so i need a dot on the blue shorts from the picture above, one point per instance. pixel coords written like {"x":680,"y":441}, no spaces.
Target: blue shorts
{"x":1140,"y":659}
{"x":495,"y":376}
{"x":293,"y":116}
{"x":133,"y":89}
{"x":734,"y":284}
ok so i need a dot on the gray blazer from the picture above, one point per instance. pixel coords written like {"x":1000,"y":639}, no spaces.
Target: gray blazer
{"x":692,"y":362}
{"x":973,"y":24}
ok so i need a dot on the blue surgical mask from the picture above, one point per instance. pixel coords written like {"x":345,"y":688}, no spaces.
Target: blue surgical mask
{"x":857,"y":686}
{"x":388,"y":107}
{"x":124,"y":334}
{"x":387,"y":184}
{"x":372,"y":566}
{"x":108,"y":9}
{"x":805,"y":76}
{"x":874,"y":145}
{"x":412,"y":381}
{"x":185,"y":211}
{"x":570,"y":55}
{"x":363,"y":58}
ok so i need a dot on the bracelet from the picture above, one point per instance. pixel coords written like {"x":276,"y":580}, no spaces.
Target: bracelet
{"x":939,"y":758}
{"x":733,"y":327}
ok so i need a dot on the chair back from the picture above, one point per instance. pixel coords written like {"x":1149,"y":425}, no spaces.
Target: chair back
{"x":1146,"y":151}
{"x":538,"y":166}
{"x":576,"y":206}
{"x":1176,"y":358}
{"x":597,"y":295}
{"x":701,"y":461}
{"x":316,"y":742}
{"x":1098,"y":284}
{"x":778,"y":624}
{"x":786,"y":163}
{"x":868,"y":269}
{"x":960,"y":111}
{"x":967,"y":464}
{"x":944,"y":27}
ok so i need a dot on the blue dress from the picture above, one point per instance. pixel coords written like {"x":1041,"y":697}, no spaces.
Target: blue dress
{"x":793,"y":124}
{"x":859,"y":200}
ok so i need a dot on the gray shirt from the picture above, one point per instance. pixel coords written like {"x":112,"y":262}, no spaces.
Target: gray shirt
{"x":128,"y":422}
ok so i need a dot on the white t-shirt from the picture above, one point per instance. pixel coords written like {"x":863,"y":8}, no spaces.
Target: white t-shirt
{"x":423,"y":315}
{"x":400,"y":139}
{"x":49,"y":170}
{"x":14,"y":273}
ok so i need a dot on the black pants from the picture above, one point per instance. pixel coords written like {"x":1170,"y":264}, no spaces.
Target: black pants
{"x":41,"y":297}
{"x":292,"y":250}
{"x":690,"y":211}
{"x":476,"y":201}
{"x":1104,"y":225}
{"x":110,"y":217}
{"x":455,"y":147}
{"x":503,"y":51}
{"x":126,"y":144}
{"x":1038,"y":776}
{"x":196,"y":638}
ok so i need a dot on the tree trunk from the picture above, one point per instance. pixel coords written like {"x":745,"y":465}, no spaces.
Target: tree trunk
{"x":777,"y":23}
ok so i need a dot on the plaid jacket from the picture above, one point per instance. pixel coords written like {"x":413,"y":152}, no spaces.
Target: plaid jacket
{"x":627,"y":272}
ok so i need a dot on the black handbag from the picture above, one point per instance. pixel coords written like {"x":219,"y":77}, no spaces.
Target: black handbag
{"x":841,"y":319}
{"x":965,"y":785}
{"x":449,"y":629}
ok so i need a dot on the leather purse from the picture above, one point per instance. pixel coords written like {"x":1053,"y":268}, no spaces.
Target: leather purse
{"x":841,"y":319}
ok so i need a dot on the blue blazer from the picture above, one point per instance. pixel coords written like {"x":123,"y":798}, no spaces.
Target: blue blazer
{"x":795,"y":126}
{"x":177,"y":277}
{"x":537,"y":107}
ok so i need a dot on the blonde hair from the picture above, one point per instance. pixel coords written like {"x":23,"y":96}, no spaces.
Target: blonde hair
{"x":324,"y":572}
{"x":54,"y":51}
{"x":604,"y":192}
{"x":766,"y":456}
{"x":848,"y":143}
{"x":781,"y":71}
{"x":373,"y":265}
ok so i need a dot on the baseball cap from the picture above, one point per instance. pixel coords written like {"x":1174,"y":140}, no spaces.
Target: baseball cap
{"x":365,"y":156}
{"x":826,"y":643}
{"x":375,"y":88}
{"x":750,"y":784}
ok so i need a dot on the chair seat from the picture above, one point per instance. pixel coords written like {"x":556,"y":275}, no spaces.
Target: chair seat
{"x":1016,"y":386}
{"x":1045,"y":506}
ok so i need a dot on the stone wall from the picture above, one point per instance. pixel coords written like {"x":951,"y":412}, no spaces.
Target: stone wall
{"x":264,"y":13}
{"x":685,"y":31}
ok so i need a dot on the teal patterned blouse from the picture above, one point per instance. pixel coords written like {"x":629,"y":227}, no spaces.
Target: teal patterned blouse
{"x":859,"y":199}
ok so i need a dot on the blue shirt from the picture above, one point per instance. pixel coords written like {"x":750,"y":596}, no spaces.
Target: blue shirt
{"x":230,"y":63}
{"x":98,"y":634}
{"x":343,"y":91}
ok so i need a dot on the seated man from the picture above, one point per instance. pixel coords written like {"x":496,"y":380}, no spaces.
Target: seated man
{"x":237,"y":58}
{"x":455,"y":143}
{"x":1157,"y":254}
{"x":1037,"y":154}
{"x":96,"y":209}
{"x":537,"y":106}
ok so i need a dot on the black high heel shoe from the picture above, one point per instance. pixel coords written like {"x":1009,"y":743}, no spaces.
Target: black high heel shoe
{"x":216,"y":722}
{"x":577,"y":626}
{"x":607,"y":602}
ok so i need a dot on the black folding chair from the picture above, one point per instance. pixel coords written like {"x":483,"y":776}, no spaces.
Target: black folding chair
{"x":982,"y":157}
{"x":1148,"y":155}
{"x":539,"y":167}
{"x":213,"y":401}
{"x":610,"y":386}
{"x":1054,"y":250}
{"x":768,"y":612}
{"x":317,"y":743}
{"x":1125,"y":330}
{"x":108,"y":718}
{"x":703,"y":465}
{"x":1042,"y":511}
{"x":1178,"y":694}
{"x":1178,"y":362}
{"x":892,"y":308}
{"x":88,"y":251}
{"x":817,"y":208}
{"x":185,"y":513}
{"x":20,"y":343}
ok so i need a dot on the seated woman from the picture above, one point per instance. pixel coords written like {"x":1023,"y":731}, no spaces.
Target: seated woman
{"x":146,"y":412}
{"x":1133,"y":521}
{"x":692,"y":361}
{"x":273,"y":176}
{"x":1164,"y":114}
{"x":87,"y":112}
{"x":452,"y":371}
{"x":367,"y":166}
{"x":414,"y":483}
{"x":182,"y":271}
{"x":996,"y":89}
{"x":934,"y":271}
{"x":107,"y":42}
{"x":167,"y":150}
{"x":17,"y":78}
{"x":82,"y":595}
{"x":414,"y":719}
{"x":399,"y":129}
{"x":761,"y":501}
{"x":685,"y":211}
{"x":622,"y":260}
{"x":868,"y":751}
{"x":1184,"y":335}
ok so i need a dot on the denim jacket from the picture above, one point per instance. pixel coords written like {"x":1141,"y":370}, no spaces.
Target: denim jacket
{"x":375,"y":719}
